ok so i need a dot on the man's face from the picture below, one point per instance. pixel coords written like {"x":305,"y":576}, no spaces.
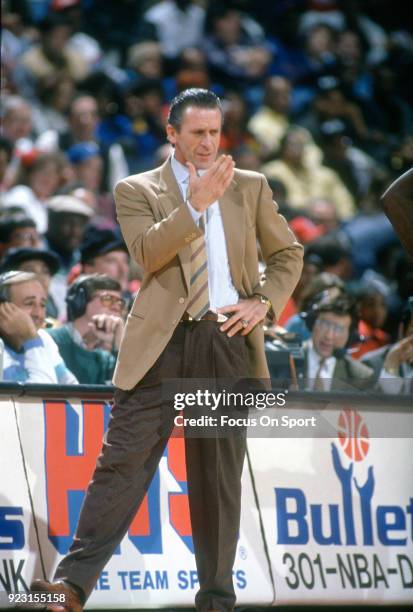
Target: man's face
{"x":24,"y":237}
{"x":66,"y":231}
{"x":105,"y":301}
{"x":197,"y":139}
{"x":84,"y":117}
{"x":30,"y":297}
{"x":115,"y":264}
{"x":330,"y":332}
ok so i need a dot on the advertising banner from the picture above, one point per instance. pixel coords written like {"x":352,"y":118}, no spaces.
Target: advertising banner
{"x":338,"y":512}
{"x":324,"y":519}
{"x":154,"y":564}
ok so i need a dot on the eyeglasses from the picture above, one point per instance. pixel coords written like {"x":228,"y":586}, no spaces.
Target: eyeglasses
{"x":110,"y":301}
{"x":335,"y":328}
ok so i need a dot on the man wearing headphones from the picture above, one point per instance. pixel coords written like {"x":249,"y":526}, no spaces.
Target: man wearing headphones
{"x":332,"y":321}
{"x":89,"y":342}
{"x":30,"y":354}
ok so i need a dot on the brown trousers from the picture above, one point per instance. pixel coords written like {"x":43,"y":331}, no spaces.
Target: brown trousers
{"x":141,"y":422}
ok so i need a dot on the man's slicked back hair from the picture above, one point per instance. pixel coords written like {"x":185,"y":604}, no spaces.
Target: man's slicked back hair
{"x":201,"y":98}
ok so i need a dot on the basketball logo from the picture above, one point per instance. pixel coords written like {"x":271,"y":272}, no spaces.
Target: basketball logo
{"x":353,"y":435}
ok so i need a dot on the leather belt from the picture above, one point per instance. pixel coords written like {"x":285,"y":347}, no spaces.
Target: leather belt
{"x":208,"y":316}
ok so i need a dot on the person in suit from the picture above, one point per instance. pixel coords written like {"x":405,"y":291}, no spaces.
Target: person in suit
{"x":393,"y":364}
{"x":332,"y":320}
{"x":193,"y":225}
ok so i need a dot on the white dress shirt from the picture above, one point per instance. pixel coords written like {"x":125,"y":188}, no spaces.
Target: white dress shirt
{"x":221,"y":289}
{"x":313,"y":364}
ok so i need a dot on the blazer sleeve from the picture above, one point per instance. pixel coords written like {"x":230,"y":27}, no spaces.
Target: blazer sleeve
{"x":151,"y":243}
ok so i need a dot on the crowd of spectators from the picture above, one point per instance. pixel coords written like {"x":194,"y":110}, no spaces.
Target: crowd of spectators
{"x":316,"y":96}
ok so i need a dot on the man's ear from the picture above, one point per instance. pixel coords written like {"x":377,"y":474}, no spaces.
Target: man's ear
{"x":171,"y":133}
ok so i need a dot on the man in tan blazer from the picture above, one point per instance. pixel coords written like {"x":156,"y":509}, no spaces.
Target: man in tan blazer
{"x":193,"y":225}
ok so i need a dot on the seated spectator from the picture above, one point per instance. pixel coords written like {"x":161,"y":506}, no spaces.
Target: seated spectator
{"x":87,"y":162}
{"x":235,"y":47}
{"x":52,"y":57}
{"x":67,"y":220}
{"x":304,"y":180}
{"x":39,"y":177}
{"x":17,"y":230}
{"x":104,"y":252}
{"x":331,"y":102}
{"x":175,"y":24}
{"x":235,"y":133}
{"x":311,"y":269}
{"x":89,"y":342}
{"x":269,"y":124}
{"x":323,"y":212}
{"x":393,"y":364}
{"x":41,"y":262}
{"x":17,"y":121}
{"x":372,"y":309}
{"x":83,"y":122}
{"x":30,"y":354}
{"x":355,"y":168}
{"x":332,"y":321}
{"x":334,"y":254}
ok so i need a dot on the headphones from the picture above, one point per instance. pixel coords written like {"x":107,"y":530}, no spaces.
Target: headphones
{"x":77,"y":298}
{"x":340,"y":302}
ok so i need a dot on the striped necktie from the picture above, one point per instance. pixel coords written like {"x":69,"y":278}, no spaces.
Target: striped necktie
{"x":198,"y":303}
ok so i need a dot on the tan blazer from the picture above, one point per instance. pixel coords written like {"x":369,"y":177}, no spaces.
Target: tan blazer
{"x":158,"y":228}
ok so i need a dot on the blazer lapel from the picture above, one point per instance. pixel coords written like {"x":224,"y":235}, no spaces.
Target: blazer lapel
{"x":169,"y":199}
{"x":233,"y":218}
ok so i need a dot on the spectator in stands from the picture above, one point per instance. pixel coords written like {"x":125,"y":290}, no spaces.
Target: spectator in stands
{"x":235,"y":47}
{"x":39,"y":177}
{"x":41,"y":262}
{"x":83,"y":128}
{"x":323,"y":212}
{"x":372,"y":310}
{"x":89,"y":342}
{"x":330,"y":102}
{"x":68,"y":217}
{"x":332,"y":321}
{"x":17,"y":230}
{"x":334,"y":254}
{"x":269,"y":124}
{"x":393,"y":364}
{"x":52,"y":58}
{"x":103,"y":251}
{"x":304,"y":180}
{"x":88,"y":164}
{"x":355,"y":168}
{"x":175,"y":24}
{"x":17,"y":121}
{"x":145,"y":61}
{"x":235,"y":133}
{"x":30,"y":354}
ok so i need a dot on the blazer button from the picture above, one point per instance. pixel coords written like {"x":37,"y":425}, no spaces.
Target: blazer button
{"x":181,"y":300}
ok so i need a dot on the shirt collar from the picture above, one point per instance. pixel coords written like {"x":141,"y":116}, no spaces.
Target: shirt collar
{"x":315,"y":357}
{"x":180,"y":171}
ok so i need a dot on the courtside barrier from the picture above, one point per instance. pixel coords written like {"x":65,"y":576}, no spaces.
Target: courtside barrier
{"x":327,"y":512}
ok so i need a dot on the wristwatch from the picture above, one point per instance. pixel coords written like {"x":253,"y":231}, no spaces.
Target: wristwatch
{"x":264,"y":300}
